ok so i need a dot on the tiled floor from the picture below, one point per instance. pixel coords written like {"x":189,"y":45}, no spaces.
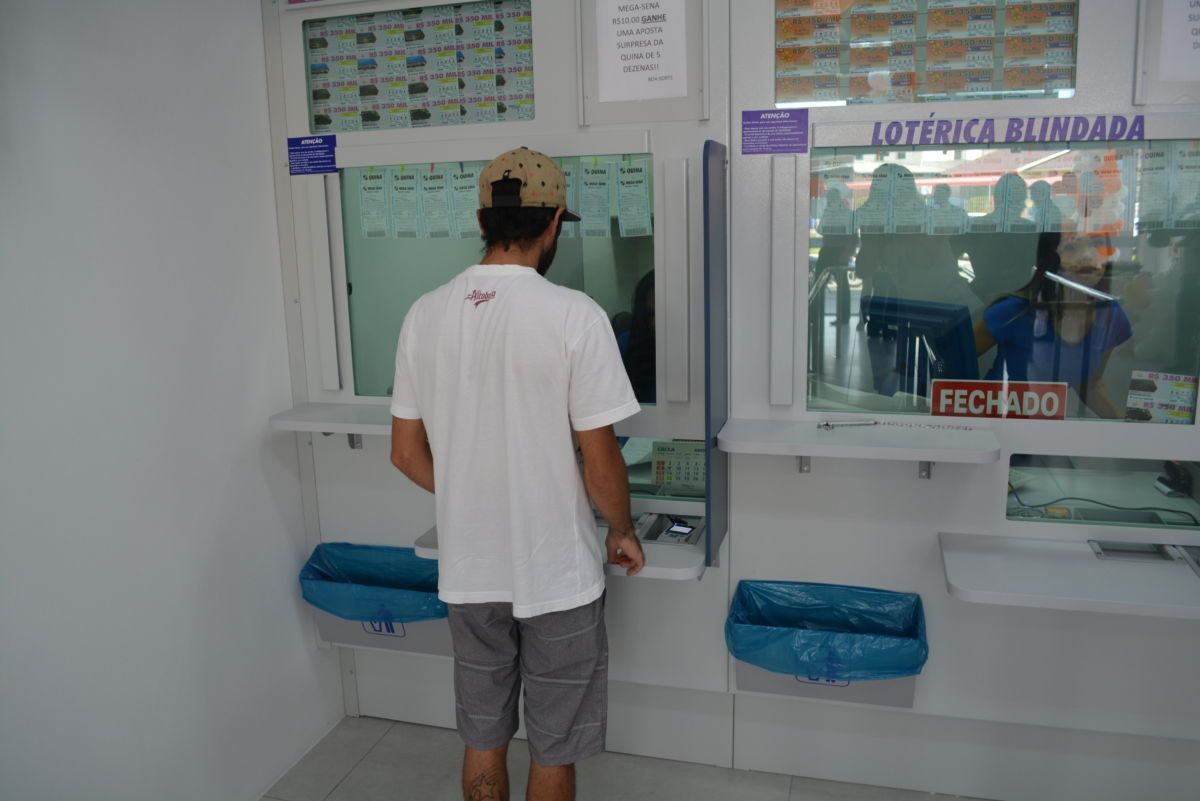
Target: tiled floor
{"x":367,"y":759}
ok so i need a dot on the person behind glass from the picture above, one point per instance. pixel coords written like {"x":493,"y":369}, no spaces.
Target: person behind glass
{"x":955,"y":217}
{"x":873,"y":260}
{"x":1059,"y":331}
{"x":898,"y":256}
{"x":1045,"y":213}
{"x":639,"y":353}
{"x":838,"y":242}
{"x":1002,"y":244}
{"x":500,"y":376}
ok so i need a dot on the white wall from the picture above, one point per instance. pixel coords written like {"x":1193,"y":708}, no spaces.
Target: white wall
{"x":152,"y":640}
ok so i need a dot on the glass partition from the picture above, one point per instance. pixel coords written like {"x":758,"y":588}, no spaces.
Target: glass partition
{"x":665,"y":468}
{"x":1144,"y":493}
{"x":410,"y":228}
{"x":1070,"y":271}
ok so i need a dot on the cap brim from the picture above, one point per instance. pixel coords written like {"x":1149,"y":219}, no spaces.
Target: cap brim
{"x":570,"y":216}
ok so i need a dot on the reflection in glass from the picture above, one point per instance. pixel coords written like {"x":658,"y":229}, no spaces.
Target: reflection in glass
{"x":1074,"y":264}
{"x":411,"y":228}
{"x":665,"y":468}
{"x":1100,"y":491}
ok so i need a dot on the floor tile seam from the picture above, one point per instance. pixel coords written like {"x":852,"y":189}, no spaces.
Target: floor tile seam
{"x":361,"y":759}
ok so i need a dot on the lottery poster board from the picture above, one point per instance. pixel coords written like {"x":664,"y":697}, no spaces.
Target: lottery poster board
{"x":904,"y":51}
{"x":436,"y":65}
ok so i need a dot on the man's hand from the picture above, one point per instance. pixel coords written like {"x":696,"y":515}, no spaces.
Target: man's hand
{"x":625,"y":550}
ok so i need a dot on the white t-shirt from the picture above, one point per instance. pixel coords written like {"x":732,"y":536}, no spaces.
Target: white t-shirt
{"x":501,"y":365}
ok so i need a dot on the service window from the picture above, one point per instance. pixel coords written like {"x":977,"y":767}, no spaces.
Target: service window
{"x":409,"y":228}
{"x":1142,"y":493}
{"x":1045,"y":281}
{"x":835,"y":52}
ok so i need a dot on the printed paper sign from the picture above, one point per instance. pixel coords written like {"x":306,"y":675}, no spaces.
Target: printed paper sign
{"x":1161,"y":398}
{"x":806,"y":8}
{"x":812,"y":60}
{"x":1179,"y":53}
{"x":953,"y":54}
{"x":404,"y":203}
{"x":798,"y":31}
{"x":891,"y":27}
{"x":464,"y":187}
{"x":1038,"y":79}
{"x":435,"y":205}
{"x":883,"y":87}
{"x":954,"y":23}
{"x":959,"y":82}
{"x":1015,"y":400}
{"x":892,"y":58}
{"x":882,"y":5}
{"x":774,"y":131}
{"x":1039,"y":50}
{"x":807,"y":88}
{"x":633,"y":199}
{"x":1042,"y":18}
{"x":1185,"y":185}
{"x":373,"y":202}
{"x":641,"y":49}
{"x":1154,"y":188}
{"x":570,"y":230}
{"x":595,"y":204}
{"x":311,"y":155}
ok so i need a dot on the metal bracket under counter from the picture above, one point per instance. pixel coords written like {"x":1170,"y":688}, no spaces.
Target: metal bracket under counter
{"x":670,"y":562}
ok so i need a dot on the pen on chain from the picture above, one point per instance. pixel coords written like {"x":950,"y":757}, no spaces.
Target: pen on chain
{"x":830,"y":425}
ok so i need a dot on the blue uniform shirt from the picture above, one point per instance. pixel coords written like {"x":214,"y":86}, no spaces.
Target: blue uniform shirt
{"x":1029,"y":349}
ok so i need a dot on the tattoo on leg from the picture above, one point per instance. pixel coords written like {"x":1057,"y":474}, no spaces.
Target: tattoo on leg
{"x":487,"y":786}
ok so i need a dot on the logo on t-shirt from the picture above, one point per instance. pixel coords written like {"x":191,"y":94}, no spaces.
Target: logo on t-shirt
{"x":480,"y":297}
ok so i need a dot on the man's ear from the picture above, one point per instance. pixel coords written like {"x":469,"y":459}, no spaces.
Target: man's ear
{"x":552,"y":229}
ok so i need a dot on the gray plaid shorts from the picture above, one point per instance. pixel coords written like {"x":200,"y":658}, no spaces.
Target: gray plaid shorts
{"x":562,"y":659}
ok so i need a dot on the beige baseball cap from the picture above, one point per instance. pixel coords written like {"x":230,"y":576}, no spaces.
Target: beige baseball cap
{"x":542,"y":183}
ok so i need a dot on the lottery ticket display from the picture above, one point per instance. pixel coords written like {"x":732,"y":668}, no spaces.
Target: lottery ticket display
{"x":873,"y":51}
{"x":450,"y":64}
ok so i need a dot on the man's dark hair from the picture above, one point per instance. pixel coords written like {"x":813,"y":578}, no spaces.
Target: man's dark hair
{"x":509,"y":227}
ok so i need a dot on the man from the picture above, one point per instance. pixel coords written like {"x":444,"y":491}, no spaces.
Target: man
{"x":497,"y":373}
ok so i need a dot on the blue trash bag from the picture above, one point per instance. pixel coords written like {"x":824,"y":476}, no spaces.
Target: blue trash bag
{"x":826,"y":631}
{"x":372,"y":583}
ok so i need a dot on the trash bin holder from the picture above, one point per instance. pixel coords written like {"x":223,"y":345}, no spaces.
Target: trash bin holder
{"x":376,"y":596}
{"x":827,"y":641}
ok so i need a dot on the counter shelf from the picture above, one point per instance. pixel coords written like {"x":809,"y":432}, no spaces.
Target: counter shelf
{"x":916,"y":442}
{"x":671,"y":562}
{"x":1068,"y":576}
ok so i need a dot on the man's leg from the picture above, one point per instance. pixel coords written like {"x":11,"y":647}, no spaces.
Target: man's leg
{"x":564,"y":667}
{"x":485,"y":774}
{"x":487,"y":685}
{"x":551,"y":784}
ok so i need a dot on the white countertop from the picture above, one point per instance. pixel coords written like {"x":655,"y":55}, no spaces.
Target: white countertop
{"x":336,"y":418}
{"x":1063,"y":575}
{"x":921,"y":441}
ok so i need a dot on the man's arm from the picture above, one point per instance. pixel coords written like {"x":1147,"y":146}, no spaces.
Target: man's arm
{"x":607,"y":482}
{"x":410,"y":452}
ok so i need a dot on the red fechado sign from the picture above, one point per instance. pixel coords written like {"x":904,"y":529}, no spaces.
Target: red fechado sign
{"x":1019,"y":400}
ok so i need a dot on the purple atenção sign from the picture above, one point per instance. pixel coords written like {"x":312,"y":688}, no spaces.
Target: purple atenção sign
{"x":774,"y":131}
{"x":312,"y":155}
